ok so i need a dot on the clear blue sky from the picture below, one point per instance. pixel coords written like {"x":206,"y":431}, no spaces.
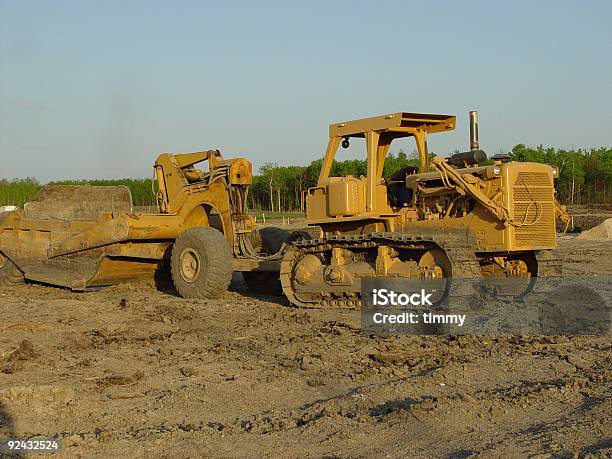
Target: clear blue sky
{"x":98,"y":89}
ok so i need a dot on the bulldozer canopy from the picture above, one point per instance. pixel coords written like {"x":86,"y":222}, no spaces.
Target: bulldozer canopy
{"x":400,"y":124}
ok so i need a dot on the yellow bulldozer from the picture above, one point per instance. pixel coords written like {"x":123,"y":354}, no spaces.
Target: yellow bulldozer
{"x":448,"y":218}
{"x":82,"y":237}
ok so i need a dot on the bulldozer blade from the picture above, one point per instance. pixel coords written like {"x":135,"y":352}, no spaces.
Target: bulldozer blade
{"x":78,"y":202}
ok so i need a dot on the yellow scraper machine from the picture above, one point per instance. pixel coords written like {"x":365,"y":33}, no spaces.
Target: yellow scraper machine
{"x":449,"y":217}
{"x":87,"y":236}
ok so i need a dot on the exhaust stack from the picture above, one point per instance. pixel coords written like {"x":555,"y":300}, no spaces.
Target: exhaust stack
{"x":474,"y":131}
{"x":475,"y":155}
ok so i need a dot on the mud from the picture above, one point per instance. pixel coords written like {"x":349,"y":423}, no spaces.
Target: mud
{"x":133,"y":371}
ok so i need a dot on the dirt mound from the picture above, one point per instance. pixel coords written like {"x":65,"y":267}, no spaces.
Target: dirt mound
{"x":601,"y":231}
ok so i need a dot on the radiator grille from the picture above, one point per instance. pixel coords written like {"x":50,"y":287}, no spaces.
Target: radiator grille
{"x":533,"y":179}
{"x":533,"y":199}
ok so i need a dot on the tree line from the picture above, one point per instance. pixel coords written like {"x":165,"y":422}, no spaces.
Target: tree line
{"x":585,"y":177}
{"x":279,"y":188}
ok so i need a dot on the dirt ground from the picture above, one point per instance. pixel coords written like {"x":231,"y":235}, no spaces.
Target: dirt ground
{"x":132,"y":371}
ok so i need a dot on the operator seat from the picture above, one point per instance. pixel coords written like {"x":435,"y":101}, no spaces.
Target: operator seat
{"x":399,"y":195}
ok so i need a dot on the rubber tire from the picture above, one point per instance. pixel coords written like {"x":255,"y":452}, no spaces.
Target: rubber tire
{"x":263,"y":282}
{"x":272,"y":238}
{"x":216,"y":271}
{"x":10,"y":274}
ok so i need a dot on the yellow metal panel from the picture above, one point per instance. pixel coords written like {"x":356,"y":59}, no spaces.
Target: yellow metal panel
{"x":241,"y":172}
{"x":372,"y":147}
{"x":332,"y":148}
{"x":408,"y":122}
{"x":345,"y":197}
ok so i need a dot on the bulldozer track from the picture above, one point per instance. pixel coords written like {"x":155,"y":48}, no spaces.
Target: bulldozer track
{"x":465,"y":266}
{"x":463,"y":260}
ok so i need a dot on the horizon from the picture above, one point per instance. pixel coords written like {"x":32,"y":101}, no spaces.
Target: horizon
{"x":259,"y":173}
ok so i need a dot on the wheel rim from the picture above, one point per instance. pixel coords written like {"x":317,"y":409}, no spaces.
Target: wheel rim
{"x":190,"y":265}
